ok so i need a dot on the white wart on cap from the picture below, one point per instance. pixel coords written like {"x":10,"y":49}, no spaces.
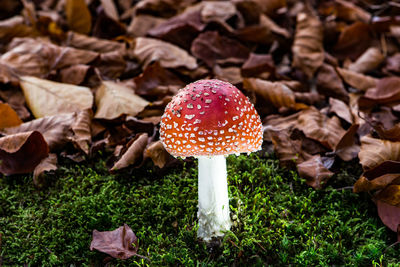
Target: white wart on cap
{"x":210,"y":117}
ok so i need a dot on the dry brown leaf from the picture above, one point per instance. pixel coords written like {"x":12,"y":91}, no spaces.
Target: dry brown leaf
{"x":113,"y":100}
{"x":270,"y":6}
{"x":210,"y":46}
{"x":111,"y":65}
{"x":278,"y":94}
{"x":47,"y":98}
{"x":330,"y":84}
{"x":391,"y":134}
{"x":308,"y":51}
{"x":269,"y":24}
{"x":46,"y":165}
{"x":81,"y":128}
{"x":217,"y":11}
{"x":314,"y":171}
{"x":230,"y":74}
{"x":319,"y":127}
{"x":75,"y":74}
{"x":120,"y":243}
{"x":347,"y":148}
{"x":356,"y":80}
{"x":110,"y":9}
{"x":390,"y":195}
{"x":16,"y":27}
{"x":158,"y":154}
{"x":22,"y":152}
{"x":387,"y":90}
{"x":15,"y":98}
{"x":390,"y":215}
{"x":368,"y":61}
{"x":91,"y":43}
{"x":148,"y":50}
{"x":78,"y":16}
{"x":8,"y":116}
{"x":257,"y":64}
{"x":340,"y":109}
{"x":141,"y":24}
{"x":56,"y":129}
{"x":37,"y":57}
{"x":345,"y":10}
{"x":393,"y":63}
{"x":375,"y":151}
{"x":134,"y":152}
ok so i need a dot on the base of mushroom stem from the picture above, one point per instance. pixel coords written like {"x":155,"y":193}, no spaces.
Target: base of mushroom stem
{"x":213,"y":214}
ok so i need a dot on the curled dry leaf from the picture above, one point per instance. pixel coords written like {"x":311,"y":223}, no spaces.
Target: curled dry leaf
{"x":368,"y":61}
{"x":308,"y":51}
{"x":319,"y":127}
{"x":389,"y":214}
{"x":113,"y":100}
{"x":78,"y":16}
{"x":57,"y":130}
{"x":158,"y":154}
{"x":22,"y":152}
{"x":375,"y":151}
{"x":390,"y":195}
{"x":46,"y":165}
{"x":314,"y":171}
{"x":47,"y":98}
{"x":148,"y":50}
{"x":391,"y":134}
{"x":37,"y":57}
{"x":211,"y":46}
{"x":356,"y":80}
{"x":81,"y":128}
{"x":133,"y":153}
{"x":330,"y":84}
{"x":121,"y":243}
{"x":278,"y":94}
{"x":387,"y":90}
{"x":353,"y":41}
{"x":340,"y":109}
{"x":8,"y":116}
{"x":347,"y":148}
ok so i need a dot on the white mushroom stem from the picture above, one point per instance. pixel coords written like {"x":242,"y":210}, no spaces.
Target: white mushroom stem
{"x":213,"y":211}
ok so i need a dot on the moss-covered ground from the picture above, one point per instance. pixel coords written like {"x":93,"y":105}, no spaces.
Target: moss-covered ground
{"x":278,"y":219}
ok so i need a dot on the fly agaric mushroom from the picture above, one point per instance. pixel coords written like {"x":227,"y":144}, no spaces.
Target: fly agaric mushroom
{"x":210,"y":119}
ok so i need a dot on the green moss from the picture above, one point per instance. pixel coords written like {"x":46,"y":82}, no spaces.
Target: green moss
{"x":278,"y":219}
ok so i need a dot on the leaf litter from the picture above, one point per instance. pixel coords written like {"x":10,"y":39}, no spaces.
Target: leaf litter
{"x":324,"y":77}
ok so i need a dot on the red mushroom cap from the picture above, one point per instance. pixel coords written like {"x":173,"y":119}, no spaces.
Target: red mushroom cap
{"x":210,"y":117}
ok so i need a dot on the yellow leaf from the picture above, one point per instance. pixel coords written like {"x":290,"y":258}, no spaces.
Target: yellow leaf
{"x":47,"y":98}
{"x":78,"y":16}
{"x":8,"y":117}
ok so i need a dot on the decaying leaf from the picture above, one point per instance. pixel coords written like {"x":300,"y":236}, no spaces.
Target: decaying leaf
{"x":356,"y":80}
{"x":390,"y":195}
{"x":347,"y":148}
{"x":375,"y":151}
{"x":389,"y":214}
{"x":78,"y":16}
{"x":46,"y":165}
{"x":8,"y":116}
{"x":314,"y":171}
{"x":141,"y":24}
{"x":148,"y":50}
{"x":113,"y":100}
{"x":89,"y":43}
{"x":330,"y":84}
{"x":22,"y":152}
{"x":368,"y":61}
{"x":387,"y":90}
{"x":82,"y":132}
{"x":47,"y":98}
{"x":340,"y":109}
{"x":120,"y":243}
{"x":133,"y":153}
{"x":158,"y":154}
{"x":308,"y":52}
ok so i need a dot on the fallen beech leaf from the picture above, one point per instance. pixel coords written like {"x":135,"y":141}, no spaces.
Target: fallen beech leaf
{"x":82,"y":132}
{"x":268,"y":23}
{"x":353,"y":41}
{"x":386,"y":173}
{"x":15,"y":98}
{"x":276,"y":93}
{"x":78,"y":16}
{"x":345,"y":10}
{"x":356,"y":80}
{"x":308,"y":51}
{"x":158,"y":154}
{"x":141,"y":24}
{"x":134,"y":152}
{"x":111,"y":65}
{"x":113,"y":100}
{"x":110,"y":9}
{"x":229,"y":74}
{"x":319,"y":127}
{"x":8,"y":116}
{"x":37,"y":57}
{"x":389,"y":195}
{"x":257,"y":64}
{"x":56,"y":130}
{"x":120,"y":243}
{"x":393,"y":63}
{"x":47,"y":164}
{"x":106,"y":27}
{"x":390,"y":215}
{"x":22,"y":152}
{"x":90,"y":43}
{"x":387,"y":90}
{"x":155,"y":81}
{"x":46,"y":98}
{"x":392,"y":134}
{"x":217,"y":11}
{"x":314,"y":171}
{"x":75,"y":74}
{"x":140,"y":126}
{"x":15,"y":27}
{"x":375,"y":151}
{"x":340,"y":109}
{"x":211,"y":46}
{"x":347,"y":148}
{"x":270,"y":6}
{"x":148,"y":50}
{"x":368,"y":61}
{"x":330,"y":84}
{"x":309,"y":98}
